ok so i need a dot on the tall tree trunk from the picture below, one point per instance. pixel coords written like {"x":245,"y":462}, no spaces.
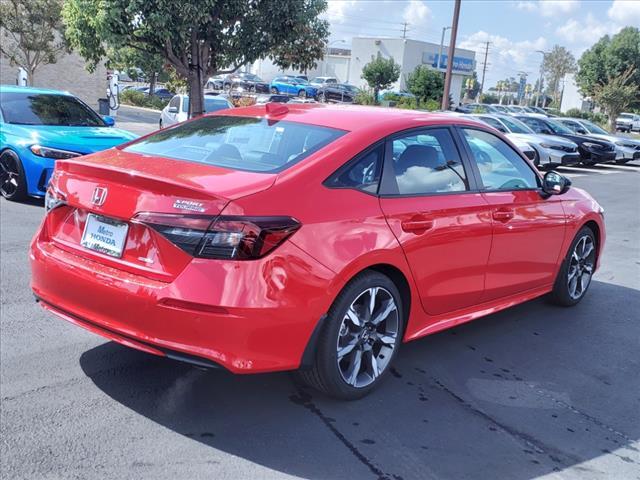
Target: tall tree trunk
{"x":375,"y":96}
{"x":31,"y":71}
{"x":196,"y":92}
{"x":152,"y":83}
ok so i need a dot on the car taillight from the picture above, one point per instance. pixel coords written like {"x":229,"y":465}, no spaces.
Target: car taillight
{"x":53,"y":198}
{"x":223,"y":237}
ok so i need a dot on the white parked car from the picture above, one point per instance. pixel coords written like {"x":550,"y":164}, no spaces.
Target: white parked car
{"x":627,"y":122}
{"x":323,"y":81}
{"x":626,"y":148}
{"x":177,"y":110}
{"x":552,"y":150}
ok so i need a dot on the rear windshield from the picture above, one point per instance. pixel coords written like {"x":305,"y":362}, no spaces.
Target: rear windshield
{"x":241,"y":143}
{"x":28,"y":108}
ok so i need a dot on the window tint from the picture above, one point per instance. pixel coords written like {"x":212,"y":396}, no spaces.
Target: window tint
{"x":427,"y":162}
{"x":535,"y":124}
{"x":501,"y":168}
{"x":241,"y":143}
{"x":25,"y":108}
{"x":363,"y":173}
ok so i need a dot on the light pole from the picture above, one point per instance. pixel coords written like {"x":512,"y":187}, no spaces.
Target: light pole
{"x":540,"y":80}
{"x":452,"y":50}
{"x":444,"y":29}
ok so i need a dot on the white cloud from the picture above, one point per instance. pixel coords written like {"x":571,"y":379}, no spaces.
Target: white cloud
{"x":626,"y":12}
{"x":337,"y":10}
{"x":416,"y":13}
{"x":549,"y":8}
{"x":587,"y":31}
{"x":503,"y":52}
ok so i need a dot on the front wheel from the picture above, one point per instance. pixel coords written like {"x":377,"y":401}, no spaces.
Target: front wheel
{"x":360,"y":337}
{"x":577,"y":270}
{"x":302,"y":94}
{"x":274,"y":90}
{"x":13,"y":185}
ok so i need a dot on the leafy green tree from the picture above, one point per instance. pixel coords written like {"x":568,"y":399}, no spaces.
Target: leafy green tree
{"x":609,"y":72}
{"x":426,"y":84}
{"x":380,"y":73}
{"x":30,"y":33}
{"x":557,"y":63}
{"x":201,"y":38}
{"x":130,"y":59}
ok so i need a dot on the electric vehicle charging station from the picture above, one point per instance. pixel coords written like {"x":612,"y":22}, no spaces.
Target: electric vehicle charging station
{"x":113,"y":93}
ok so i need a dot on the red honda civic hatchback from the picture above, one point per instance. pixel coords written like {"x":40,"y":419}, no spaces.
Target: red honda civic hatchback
{"x":306,"y":237}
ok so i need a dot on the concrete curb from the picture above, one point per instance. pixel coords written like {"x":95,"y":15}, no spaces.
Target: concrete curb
{"x":143,"y":109}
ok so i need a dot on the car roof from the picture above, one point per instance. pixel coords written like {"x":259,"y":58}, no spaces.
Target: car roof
{"x":353,"y":118}
{"x":18,"y":89}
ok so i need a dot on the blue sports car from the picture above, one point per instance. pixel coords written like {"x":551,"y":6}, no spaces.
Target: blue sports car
{"x":293,"y":86}
{"x":39,"y":126}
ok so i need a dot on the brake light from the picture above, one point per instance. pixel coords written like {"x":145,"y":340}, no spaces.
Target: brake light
{"x":53,"y":198}
{"x":223,"y":237}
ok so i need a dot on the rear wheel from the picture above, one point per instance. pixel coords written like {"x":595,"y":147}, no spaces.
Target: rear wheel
{"x":360,"y":338}
{"x":13,"y":185}
{"x":322,"y":98}
{"x":577,"y":270}
{"x":302,"y":93}
{"x":274,"y":90}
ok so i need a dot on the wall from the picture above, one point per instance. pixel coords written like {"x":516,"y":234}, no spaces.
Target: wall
{"x":68,"y":74}
{"x":331,"y":65}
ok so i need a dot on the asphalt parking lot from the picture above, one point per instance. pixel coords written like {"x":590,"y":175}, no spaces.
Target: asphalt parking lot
{"x":533,"y":391}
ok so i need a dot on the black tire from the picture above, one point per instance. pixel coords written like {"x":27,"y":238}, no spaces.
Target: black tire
{"x":274,"y":90}
{"x":561,"y":294}
{"x":302,"y":93}
{"x":13,"y":183}
{"x":325,"y":374}
{"x":322,"y":98}
{"x":160,"y":124}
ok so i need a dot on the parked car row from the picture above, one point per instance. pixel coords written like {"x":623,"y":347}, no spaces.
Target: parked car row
{"x":323,"y":89}
{"x":563,"y":141}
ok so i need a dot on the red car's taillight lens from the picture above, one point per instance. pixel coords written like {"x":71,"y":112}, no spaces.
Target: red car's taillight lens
{"x":223,"y":237}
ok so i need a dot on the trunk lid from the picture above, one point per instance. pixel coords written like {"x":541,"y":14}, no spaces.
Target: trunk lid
{"x":117,"y":185}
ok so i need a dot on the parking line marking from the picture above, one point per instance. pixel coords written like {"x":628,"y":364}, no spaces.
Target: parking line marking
{"x":621,"y":167}
{"x":583,"y":170}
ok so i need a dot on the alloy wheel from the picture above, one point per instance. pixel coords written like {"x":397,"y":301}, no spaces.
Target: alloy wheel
{"x":9,"y":176}
{"x":367,"y":337}
{"x":581,"y":265}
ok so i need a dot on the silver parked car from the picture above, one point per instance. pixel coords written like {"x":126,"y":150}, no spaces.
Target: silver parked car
{"x":627,"y":149}
{"x":177,"y":110}
{"x":552,"y":150}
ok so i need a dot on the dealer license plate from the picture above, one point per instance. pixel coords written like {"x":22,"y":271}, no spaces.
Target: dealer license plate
{"x":104,"y":235}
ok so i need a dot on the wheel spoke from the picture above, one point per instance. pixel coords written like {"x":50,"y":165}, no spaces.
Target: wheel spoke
{"x":573,"y":272}
{"x":374,"y":364}
{"x":373,"y":293}
{"x":573,"y":284}
{"x":387,"y":340}
{"x":353,"y":316}
{"x":354,"y":368}
{"x":588,"y":268}
{"x":388,"y":307}
{"x":584,"y":282}
{"x":587,"y":251}
{"x":348,"y":348}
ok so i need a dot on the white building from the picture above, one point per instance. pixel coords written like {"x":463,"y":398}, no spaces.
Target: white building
{"x":571,"y":96}
{"x":346,"y":65}
{"x":409,"y":54}
{"x":334,"y":64}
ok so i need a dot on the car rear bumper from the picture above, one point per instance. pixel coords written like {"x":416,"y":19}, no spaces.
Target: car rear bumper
{"x":238,"y":316}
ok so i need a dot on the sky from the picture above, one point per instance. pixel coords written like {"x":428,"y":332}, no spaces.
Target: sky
{"x":515,"y":28}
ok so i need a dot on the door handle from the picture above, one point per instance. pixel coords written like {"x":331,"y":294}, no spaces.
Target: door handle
{"x":416,"y":225}
{"x":503,"y":214}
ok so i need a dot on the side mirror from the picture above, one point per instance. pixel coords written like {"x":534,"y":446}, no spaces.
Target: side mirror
{"x":108,"y":121}
{"x":173,"y":110}
{"x":555,"y":184}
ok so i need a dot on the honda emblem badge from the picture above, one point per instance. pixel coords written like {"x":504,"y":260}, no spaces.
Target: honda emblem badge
{"x":99,"y":196}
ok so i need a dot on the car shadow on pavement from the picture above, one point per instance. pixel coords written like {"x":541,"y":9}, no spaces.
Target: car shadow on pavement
{"x":519,"y":394}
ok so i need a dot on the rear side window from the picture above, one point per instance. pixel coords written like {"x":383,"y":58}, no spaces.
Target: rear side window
{"x":362,"y":173}
{"x":427,"y":163}
{"x":240,"y":143}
